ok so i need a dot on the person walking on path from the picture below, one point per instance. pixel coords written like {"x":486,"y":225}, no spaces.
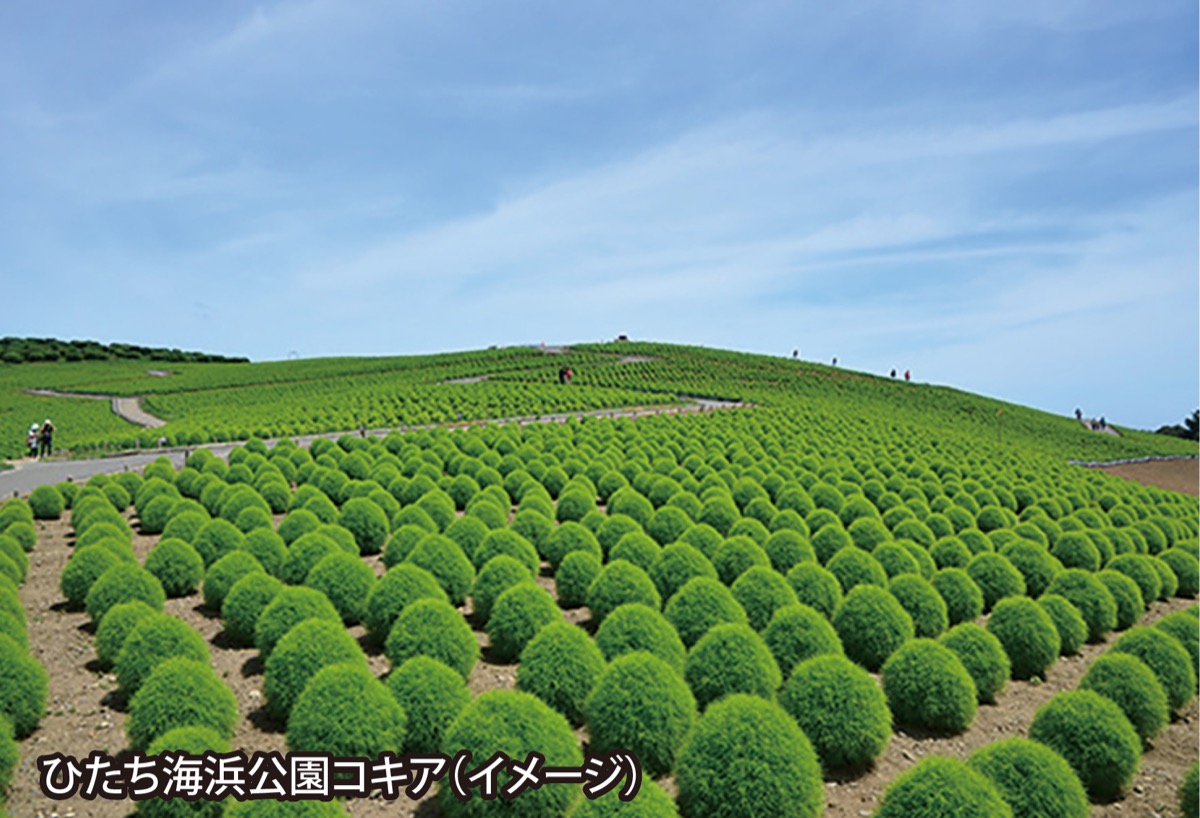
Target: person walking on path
{"x":46,"y":437}
{"x":31,"y":440}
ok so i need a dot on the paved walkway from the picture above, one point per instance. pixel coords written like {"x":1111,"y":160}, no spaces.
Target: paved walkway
{"x":129,"y":408}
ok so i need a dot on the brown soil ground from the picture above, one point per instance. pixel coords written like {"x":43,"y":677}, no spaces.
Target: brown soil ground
{"x":85,"y":713}
{"x":1177,"y":475}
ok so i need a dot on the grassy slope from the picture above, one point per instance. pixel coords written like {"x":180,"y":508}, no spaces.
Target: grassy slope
{"x":216,"y":401}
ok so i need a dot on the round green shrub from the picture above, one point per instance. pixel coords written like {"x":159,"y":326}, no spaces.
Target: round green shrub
{"x":786,"y":547}
{"x":675,"y":565}
{"x":840,"y":709}
{"x":497,"y":576}
{"x":1035,"y":781}
{"x":618,"y":583}
{"x":223,"y":573}
{"x":402,"y":542}
{"x":928,"y":687}
{"x":177,"y":565}
{"x":1089,"y":596}
{"x":1125,"y":680}
{"x":23,"y":687}
{"x":518,"y":614}
{"x":10,"y":754}
{"x":441,"y":557}
{"x":778,"y":770}
{"x":46,"y":503}
{"x":289,"y":608}
{"x":1186,"y":569}
{"x":123,"y":582}
{"x":432,"y":627}
{"x":651,"y":801}
{"x":469,"y":533}
{"x":1189,"y":792}
{"x":575,"y":575}
{"x":152,"y":641}
{"x":399,"y":587}
{"x":737,"y":554}
{"x":305,"y":553}
{"x":245,"y":602}
{"x":367,"y":522}
{"x":872,"y":625}
{"x":964,"y":600}
{"x":1166,"y":658}
{"x":950,"y":552}
{"x":797,"y":633}
{"x":346,"y":711}
{"x":196,"y":741}
{"x":515,"y":723}
{"x":1168,"y":578}
{"x":635,"y":627}
{"x":1095,"y":738}
{"x":300,"y":653}
{"x":996,"y":578}
{"x":568,"y":537}
{"x":641,"y":705}
{"x":1139,"y":568}
{"x":1028,"y":635}
{"x":1074,"y":549}
{"x":853,"y":567}
{"x":510,"y":543}
{"x":560,"y":665}
{"x":431,"y":695}
{"x":982,"y":655}
{"x":731,"y":658}
{"x":761,"y":591}
{"x":942,"y":787}
{"x":1037,"y":565}
{"x":1182,"y":625}
{"x":1125,"y":594}
{"x":699,"y":605}
{"x":923,"y":603}
{"x":180,"y":692}
{"x":81,"y":572}
{"x":185,"y":525}
{"x":216,"y":539}
{"x":297,"y":523}
{"x":704,"y":538}
{"x":815,"y":587}
{"x":24,"y":533}
{"x":637,"y":548}
{"x":116,"y":626}
{"x":249,"y":519}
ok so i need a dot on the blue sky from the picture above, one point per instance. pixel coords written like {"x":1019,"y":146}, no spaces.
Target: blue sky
{"x":999,"y":196}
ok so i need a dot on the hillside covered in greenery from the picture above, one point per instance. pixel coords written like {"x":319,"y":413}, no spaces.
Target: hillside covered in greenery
{"x":209,"y":402}
{"x":29,"y":350}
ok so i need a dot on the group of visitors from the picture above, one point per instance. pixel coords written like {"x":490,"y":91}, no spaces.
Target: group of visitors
{"x":564,"y":375}
{"x":40,"y":439}
{"x":907,"y":374}
{"x":1092,"y":423}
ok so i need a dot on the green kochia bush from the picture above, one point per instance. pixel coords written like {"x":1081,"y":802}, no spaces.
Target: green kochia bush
{"x":798,"y":632}
{"x":431,"y":695}
{"x":1093,"y":601}
{"x":216,"y":539}
{"x":505,"y":541}
{"x":737,"y":554}
{"x":23,"y":687}
{"x":1140,"y":568}
{"x":815,"y":587}
{"x":675,"y":565}
{"x":996,"y":578}
{"x":1186,"y":569}
{"x":731,"y":659}
{"x":117,"y":623}
{"x":1189,"y":792}
{"x":499,"y":574}
{"x":1072,"y":630}
{"x":1125,"y":680}
{"x":640,"y":704}
{"x":923,"y":604}
{"x":46,"y":503}
{"x":942,"y":787}
{"x":123,"y":582}
{"x":575,"y":575}
{"x":180,"y":693}
{"x":519,"y":613}
{"x":245,"y":602}
{"x":964,"y":600}
{"x":1028,"y":635}
{"x":347,"y":582}
{"x":635,"y":627}
{"x":399,"y":587}
{"x":778,"y":770}
{"x":224,"y":573}
{"x":1182,"y":625}
{"x":699,"y":605}
{"x":853,"y":566}
{"x":154,"y":640}
{"x":82,"y":570}
{"x":619,"y":583}
{"x":289,"y":608}
{"x":928,"y":687}
{"x":762,"y":591}
{"x":1166,"y":658}
{"x":840,"y":709}
{"x":1125,"y":594}
{"x":346,"y":711}
{"x":983,"y":657}
{"x":442,"y":557}
{"x":304,"y":650}
{"x":432,"y":627}
{"x":195,"y":741}
{"x":177,"y":565}
{"x":267,"y":547}
{"x":1035,"y":781}
{"x":560,"y":666}
{"x":871,"y":624}
{"x":1095,"y":738}
{"x":651,"y":801}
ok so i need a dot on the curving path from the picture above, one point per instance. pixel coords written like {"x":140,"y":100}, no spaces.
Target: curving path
{"x":129,"y":408}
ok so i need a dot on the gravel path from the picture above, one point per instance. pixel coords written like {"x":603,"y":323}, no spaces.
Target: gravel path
{"x":128,"y":408}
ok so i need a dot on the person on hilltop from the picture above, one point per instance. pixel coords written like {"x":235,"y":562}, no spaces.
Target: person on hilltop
{"x":46,"y":438}
{"x":893,"y":373}
{"x":907,"y":375}
{"x":1078,"y":413}
{"x":31,"y":440}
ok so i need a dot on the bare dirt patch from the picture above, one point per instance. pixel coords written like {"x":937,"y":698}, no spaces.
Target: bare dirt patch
{"x":1177,"y":475}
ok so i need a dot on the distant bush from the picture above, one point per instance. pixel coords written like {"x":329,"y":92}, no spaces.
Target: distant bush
{"x":1186,"y":569}
{"x":1125,"y":594}
{"x":1127,"y":681}
{"x":1089,"y":596}
{"x":431,"y":695}
{"x":469,"y":533}
{"x":517,"y":724}
{"x":300,"y":653}
{"x":180,"y":692}
{"x":786,"y":778}
{"x":518,"y":614}
{"x":618,"y":583}
{"x":853,"y":566}
{"x":1139,"y":568}
{"x":1182,"y":625}
{"x":651,"y":801}
{"x":123,"y":582}
{"x":304,"y":554}
{"x":289,"y":608}
{"x":177,"y":565}
{"x":641,"y":705}
{"x":928,"y":687}
{"x":699,"y":605}
{"x":872,"y":625}
{"x":797,"y":633}
{"x":23,"y":687}
{"x":634,"y":627}
{"x":1035,"y":781}
{"x":1168,"y":578}
{"x":1028,"y":635}
{"x":116,"y":625}
{"x":575,"y":575}
{"x":432,"y":627}
{"x":185,"y":525}
{"x":996,"y":578}
{"x":153,"y":640}
{"x":346,"y":711}
{"x":1166,"y":658}
{"x":942,"y":787}
{"x":815,"y":587}
{"x":560,"y":665}
{"x":367,"y":522}
{"x":46,"y":503}
{"x":1095,"y":738}
{"x":245,"y":602}
{"x":786,"y":547}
